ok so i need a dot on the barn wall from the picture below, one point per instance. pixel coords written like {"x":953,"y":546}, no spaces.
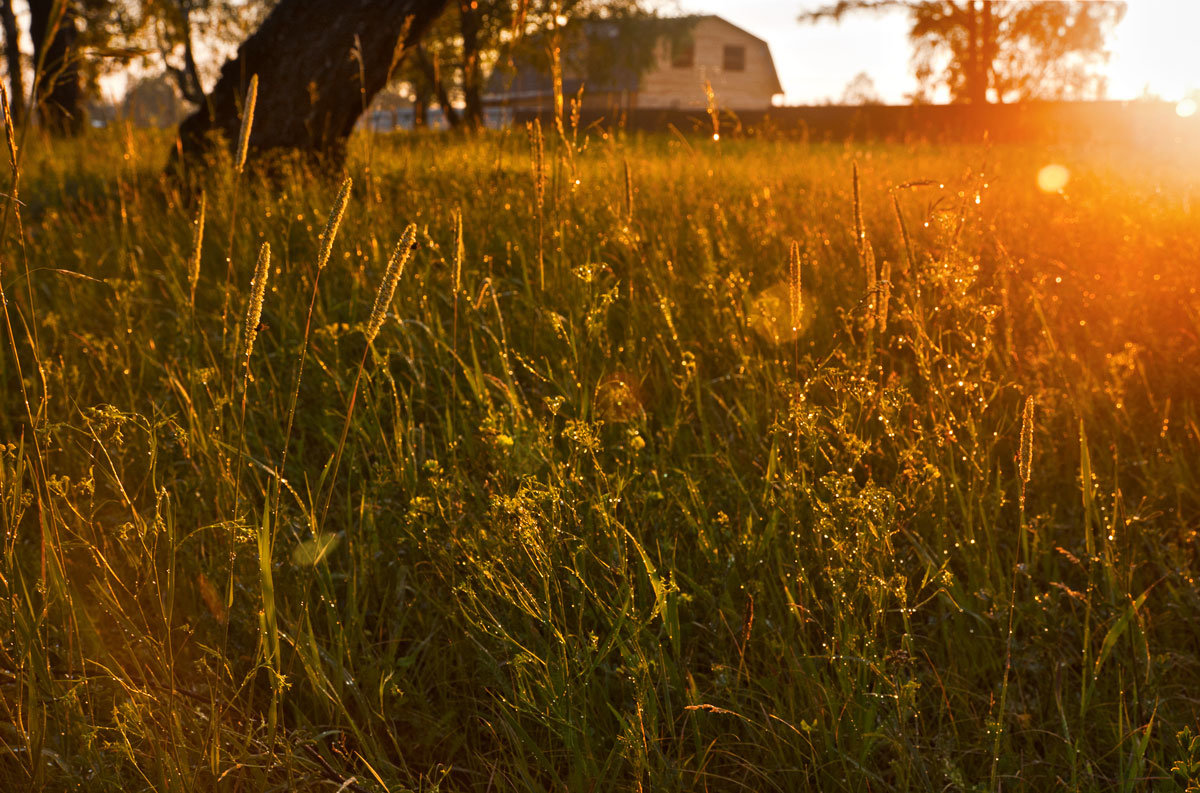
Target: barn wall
{"x":667,"y":87}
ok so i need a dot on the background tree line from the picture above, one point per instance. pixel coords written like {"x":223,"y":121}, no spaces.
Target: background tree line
{"x":321,"y":62}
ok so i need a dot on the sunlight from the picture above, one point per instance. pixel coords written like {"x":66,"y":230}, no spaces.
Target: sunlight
{"x":1186,"y":108}
{"x":1053,"y":178}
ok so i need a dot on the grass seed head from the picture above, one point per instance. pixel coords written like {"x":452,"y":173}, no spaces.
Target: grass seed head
{"x":391,"y":277}
{"x":460,"y":252}
{"x":537,"y":152}
{"x":628,"y":194}
{"x":795,"y":294}
{"x":258,"y":291}
{"x":1026,"y":462}
{"x":197,"y":244}
{"x":9,"y":131}
{"x":714,"y":114}
{"x":885,"y":293}
{"x":868,"y":261}
{"x":860,"y":233}
{"x":333,"y":223}
{"x":247,"y":123}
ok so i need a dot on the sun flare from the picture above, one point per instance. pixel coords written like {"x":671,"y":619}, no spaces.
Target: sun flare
{"x":1053,"y":178}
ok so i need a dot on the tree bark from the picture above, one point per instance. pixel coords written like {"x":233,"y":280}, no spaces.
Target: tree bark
{"x":469,"y":25}
{"x":421,"y":108}
{"x":54,"y":28}
{"x":319,"y":64}
{"x":976,"y":91}
{"x":988,"y":51}
{"x":12,"y":56}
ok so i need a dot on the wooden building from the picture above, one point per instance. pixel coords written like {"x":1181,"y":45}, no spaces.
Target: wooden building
{"x":692,"y":53}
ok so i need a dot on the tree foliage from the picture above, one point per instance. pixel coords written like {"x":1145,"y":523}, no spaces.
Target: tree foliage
{"x":1001,"y":50}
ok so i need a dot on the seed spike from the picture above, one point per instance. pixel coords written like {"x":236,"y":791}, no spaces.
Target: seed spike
{"x":258,"y":291}
{"x":197,"y":244}
{"x":247,"y":123}
{"x":1026,"y":461}
{"x":795,"y":294}
{"x":391,"y":277}
{"x":333,"y":223}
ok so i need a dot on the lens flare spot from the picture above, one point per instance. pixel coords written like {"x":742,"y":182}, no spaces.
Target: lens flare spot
{"x":616,"y":399}
{"x":313,"y":551}
{"x":769,"y":314}
{"x":1053,"y":178}
{"x":1186,"y":108}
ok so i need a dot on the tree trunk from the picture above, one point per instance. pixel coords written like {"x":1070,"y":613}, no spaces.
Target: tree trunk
{"x":988,"y":50}
{"x":12,"y":56}
{"x":421,"y":108}
{"x":187,"y":77}
{"x":319,"y":63}
{"x":433,"y":75}
{"x":976,"y":92}
{"x":57,"y":90}
{"x":469,"y":24}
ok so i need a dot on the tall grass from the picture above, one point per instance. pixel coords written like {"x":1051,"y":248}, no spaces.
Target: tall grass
{"x":778,"y":527}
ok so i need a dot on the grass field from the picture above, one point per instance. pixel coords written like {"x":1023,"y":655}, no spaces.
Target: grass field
{"x":626,"y":494}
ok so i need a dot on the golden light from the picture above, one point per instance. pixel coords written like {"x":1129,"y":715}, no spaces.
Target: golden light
{"x":1053,"y":178}
{"x":1186,"y":108}
{"x":716,"y":136}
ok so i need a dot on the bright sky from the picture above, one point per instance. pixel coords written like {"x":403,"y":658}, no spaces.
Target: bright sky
{"x":1156,"y":47}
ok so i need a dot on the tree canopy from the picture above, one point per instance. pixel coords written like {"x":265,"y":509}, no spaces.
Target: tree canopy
{"x":1001,"y":50}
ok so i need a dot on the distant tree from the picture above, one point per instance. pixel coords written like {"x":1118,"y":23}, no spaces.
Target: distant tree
{"x":12,"y":58}
{"x":182,"y":28}
{"x":155,"y":101}
{"x":1001,"y":50}
{"x":605,"y":41}
{"x":58,"y":88}
{"x":861,"y":91}
{"x":474,"y":36}
{"x":430,"y":73}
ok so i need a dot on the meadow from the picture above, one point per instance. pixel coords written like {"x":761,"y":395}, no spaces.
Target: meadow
{"x":672,"y":464}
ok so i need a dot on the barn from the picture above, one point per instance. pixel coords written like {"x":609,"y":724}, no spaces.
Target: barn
{"x":676,"y":59}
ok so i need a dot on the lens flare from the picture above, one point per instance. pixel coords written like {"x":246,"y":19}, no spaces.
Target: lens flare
{"x":616,"y":399}
{"x":1053,"y":178}
{"x":769,"y":314}
{"x":1186,"y":108}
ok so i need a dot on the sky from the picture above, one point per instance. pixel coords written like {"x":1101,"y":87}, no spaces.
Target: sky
{"x":1155,"y":47}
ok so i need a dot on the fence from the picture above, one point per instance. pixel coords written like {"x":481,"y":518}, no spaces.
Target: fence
{"x":1139,"y":122}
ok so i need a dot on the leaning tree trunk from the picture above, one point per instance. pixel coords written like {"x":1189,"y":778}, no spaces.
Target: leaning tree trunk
{"x":319,"y":64}
{"x":12,"y":56}
{"x":58,"y":92}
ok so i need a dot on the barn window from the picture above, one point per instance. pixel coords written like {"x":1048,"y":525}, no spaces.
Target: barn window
{"x":735,"y":58}
{"x":683,"y":54}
